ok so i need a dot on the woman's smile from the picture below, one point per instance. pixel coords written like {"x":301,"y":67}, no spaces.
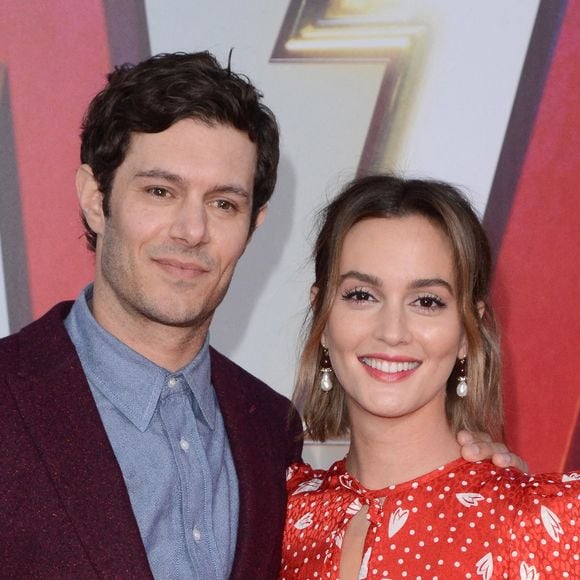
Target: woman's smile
{"x":395,"y":319}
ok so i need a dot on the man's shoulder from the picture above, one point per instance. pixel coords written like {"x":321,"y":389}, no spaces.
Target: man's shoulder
{"x":38,"y":336}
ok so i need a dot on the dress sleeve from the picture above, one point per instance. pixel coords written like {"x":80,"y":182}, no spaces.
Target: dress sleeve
{"x":545,"y":528}
{"x":300,"y":477}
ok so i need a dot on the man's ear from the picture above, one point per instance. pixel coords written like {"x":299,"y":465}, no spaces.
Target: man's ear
{"x":262,"y":212}
{"x":90,"y":198}
{"x":260,"y":217}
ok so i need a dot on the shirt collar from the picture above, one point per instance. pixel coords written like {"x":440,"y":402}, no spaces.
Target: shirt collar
{"x":131,"y":382}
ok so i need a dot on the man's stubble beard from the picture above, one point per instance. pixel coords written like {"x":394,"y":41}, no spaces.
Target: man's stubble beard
{"x":119,"y":274}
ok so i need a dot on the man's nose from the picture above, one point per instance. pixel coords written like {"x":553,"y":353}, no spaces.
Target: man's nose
{"x":190,"y":223}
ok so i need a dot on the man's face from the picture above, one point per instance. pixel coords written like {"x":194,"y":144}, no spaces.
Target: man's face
{"x":180,"y":212}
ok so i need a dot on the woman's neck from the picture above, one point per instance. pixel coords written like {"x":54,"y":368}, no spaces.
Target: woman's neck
{"x":386,"y":452}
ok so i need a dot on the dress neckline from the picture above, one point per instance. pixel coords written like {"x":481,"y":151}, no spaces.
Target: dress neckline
{"x":344,"y":479}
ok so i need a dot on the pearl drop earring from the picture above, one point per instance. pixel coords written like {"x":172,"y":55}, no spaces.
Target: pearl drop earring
{"x":462,"y":386}
{"x":326,"y":370}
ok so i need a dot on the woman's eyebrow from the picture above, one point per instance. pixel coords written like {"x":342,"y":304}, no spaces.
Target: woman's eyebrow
{"x":361,"y":277}
{"x":426,"y":282}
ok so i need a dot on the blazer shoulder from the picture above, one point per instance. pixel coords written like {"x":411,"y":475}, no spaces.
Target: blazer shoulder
{"x":42,"y":342}
{"x":9,"y":353}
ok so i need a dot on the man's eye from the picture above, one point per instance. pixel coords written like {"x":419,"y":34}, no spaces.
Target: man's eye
{"x":158,"y":191}
{"x":224,"y":204}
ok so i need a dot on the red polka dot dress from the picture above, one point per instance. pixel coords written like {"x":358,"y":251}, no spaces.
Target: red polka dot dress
{"x":463,"y":520}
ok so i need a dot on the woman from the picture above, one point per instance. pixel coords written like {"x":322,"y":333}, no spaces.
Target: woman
{"x":401,"y":353}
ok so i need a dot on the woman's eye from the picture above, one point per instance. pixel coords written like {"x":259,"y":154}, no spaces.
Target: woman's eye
{"x":430,"y":302}
{"x":358,"y":295}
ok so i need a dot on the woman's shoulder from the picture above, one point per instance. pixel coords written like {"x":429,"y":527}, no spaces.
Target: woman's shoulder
{"x":551,"y":485}
{"x":545,"y":515}
{"x":302,"y":477}
{"x":528,"y":521}
{"x":512,"y":484}
{"x":550,"y":498}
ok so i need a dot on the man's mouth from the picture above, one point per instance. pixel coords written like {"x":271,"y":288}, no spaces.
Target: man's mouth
{"x":182,"y":269}
{"x":181,"y":265}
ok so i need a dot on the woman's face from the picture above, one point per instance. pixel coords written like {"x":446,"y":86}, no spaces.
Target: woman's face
{"x":394,"y":331}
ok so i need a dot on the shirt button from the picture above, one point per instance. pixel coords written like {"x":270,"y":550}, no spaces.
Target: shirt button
{"x":196,"y":534}
{"x":184,"y":444}
{"x":172,"y":381}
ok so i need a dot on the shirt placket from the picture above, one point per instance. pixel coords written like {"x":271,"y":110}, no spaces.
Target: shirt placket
{"x":179,"y":421}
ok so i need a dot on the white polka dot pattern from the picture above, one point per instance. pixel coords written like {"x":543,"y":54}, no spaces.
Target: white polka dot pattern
{"x":463,"y":520}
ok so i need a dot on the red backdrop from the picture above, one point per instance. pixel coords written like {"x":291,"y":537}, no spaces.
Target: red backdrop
{"x":538,"y":272}
{"x":56,"y":56}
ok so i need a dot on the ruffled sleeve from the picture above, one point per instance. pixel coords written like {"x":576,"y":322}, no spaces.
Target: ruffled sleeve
{"x":545,"y":528}
{"x":301,"y":477}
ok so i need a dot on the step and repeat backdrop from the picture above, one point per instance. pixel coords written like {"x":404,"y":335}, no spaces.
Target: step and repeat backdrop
{"x":484,"y":95}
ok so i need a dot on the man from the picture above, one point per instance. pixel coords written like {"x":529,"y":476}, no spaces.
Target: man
{"x":130,"y":448}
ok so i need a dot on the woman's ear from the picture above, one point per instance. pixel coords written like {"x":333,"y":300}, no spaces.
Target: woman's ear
{"x":90,"y":198}
{"x":462,"y":347}
{"x":313,"y":293}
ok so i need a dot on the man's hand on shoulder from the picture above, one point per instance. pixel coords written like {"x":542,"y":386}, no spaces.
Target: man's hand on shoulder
{"x":478,"y":446}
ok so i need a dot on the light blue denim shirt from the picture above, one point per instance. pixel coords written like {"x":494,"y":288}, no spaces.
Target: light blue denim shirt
{"x":169,"y":438}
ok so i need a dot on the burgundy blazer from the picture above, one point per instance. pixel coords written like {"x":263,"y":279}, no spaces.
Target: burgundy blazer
{"x":64,"y":507}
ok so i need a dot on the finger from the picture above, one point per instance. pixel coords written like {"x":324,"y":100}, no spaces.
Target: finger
{"x":480,"y":450}
{"x":480,"y":436}
{"x":502,"y":459}
{"x":465,"y":437}
{"x":494,"y":448}
{"x":510,"y":460}
{"x":471,"y":452}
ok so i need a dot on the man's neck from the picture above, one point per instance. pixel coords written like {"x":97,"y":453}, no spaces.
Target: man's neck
{"x":170,"y":347}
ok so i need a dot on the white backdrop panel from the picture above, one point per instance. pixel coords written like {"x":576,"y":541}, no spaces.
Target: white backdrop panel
{"x":455,"y":125}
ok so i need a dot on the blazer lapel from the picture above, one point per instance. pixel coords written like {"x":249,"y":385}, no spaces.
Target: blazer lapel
{"x":261,"y":491}
{"x":59,"y":411}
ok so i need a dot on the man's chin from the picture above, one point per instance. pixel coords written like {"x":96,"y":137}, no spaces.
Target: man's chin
{"x":187,"y":319}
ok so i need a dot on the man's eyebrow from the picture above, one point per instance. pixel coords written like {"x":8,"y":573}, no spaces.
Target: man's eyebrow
{"x":161,"y":174}
{"x":361,"y":277}
{"x":232,"y":188}
{"x":426,"y":282}
{"x":178,"y":179}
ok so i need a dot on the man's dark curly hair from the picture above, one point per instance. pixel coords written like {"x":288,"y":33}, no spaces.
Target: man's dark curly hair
{"x":153,"y":95}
